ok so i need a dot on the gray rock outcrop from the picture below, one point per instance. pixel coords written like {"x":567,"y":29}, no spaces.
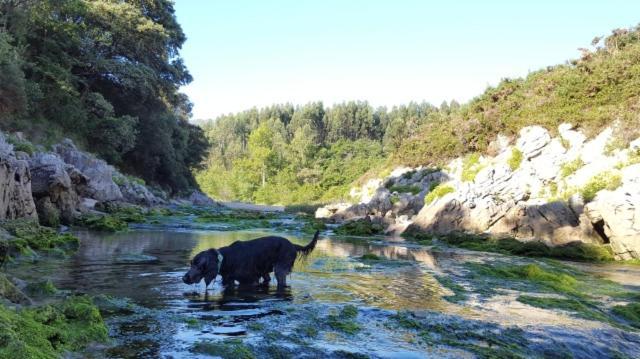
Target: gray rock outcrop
{"x":100,"y":184}
{"x":16,"y":200}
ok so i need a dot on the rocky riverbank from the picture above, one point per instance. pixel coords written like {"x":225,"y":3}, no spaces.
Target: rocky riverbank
{"x":537,"y":187}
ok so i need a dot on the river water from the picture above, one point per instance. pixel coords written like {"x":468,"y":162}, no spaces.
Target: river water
{"x":153,"y":314}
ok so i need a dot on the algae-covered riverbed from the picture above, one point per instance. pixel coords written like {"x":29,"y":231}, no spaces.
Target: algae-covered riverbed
{"x":352,"y":298}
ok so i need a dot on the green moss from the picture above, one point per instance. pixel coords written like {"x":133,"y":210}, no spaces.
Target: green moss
{"x":359,"y":227}
{"x":48,"y":331}
{"x":470,"y":167}
{"x":308,"y":330}
{"x":630,"y":312}
{"x":349,"y":311}
{"x":344,"y":321}
{"x":312,"y":225}
{"x":606,"y":180}
{"x":437,"y":192}
{"x":459,"y":293}
{"x":569,"y":168}
{"x":555,"y":281}
{"x":105,"y":223}
{"x":32,"y":236}
{"x":405,"y":189}
{"x":406,"y":320}
{"x":515,"y":160}
{"x":236,"y":216}
{"x":228,"y":349}
{"x":394,"y":198}
{"x":41,"y":288}
{"x":21,"y":145}
{"x":370,"y":257}
{"x":579,"y":307}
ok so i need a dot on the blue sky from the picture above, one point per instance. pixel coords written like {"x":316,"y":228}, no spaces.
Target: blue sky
{"x":256,"y":53}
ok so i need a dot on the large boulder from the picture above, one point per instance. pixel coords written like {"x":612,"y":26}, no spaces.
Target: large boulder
{"x":616,"y":215}
{"x":53,"y":188}
{"x":137,"y":193}
{"x":100,"y":185}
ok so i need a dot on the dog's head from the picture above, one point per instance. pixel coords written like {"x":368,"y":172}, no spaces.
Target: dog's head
{"x":203,"y":265}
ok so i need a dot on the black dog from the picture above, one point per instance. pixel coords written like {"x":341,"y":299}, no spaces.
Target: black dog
{"x":248,"y":261}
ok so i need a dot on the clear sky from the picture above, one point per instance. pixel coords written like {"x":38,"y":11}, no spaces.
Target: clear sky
{"x":255,"y":53}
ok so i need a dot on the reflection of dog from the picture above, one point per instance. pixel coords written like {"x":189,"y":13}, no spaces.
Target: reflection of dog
{"x":248,"y":261}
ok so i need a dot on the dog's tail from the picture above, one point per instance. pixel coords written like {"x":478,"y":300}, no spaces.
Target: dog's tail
{"x":304,"y":251}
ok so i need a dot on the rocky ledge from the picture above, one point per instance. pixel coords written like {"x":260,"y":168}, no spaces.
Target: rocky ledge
{"x":534,"y":188}
{"x":57,"y":186}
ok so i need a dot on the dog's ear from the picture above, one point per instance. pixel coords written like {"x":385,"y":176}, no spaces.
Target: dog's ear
{"x":211,"y":268}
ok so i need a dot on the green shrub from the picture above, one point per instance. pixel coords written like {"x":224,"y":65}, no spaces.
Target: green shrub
{"x":437,"y":192}
{"x":405,"y":189}
{"x":606,"y":180}
{"x":569,"y":168}
{"x":515,"y":160}
{"x":21,"y":145}
{"x":470,"y":167}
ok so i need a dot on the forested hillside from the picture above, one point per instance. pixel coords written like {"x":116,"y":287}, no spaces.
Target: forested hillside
{"x":311,"y":153}
{"x":304,"y":154}
{"x":105,"y":73}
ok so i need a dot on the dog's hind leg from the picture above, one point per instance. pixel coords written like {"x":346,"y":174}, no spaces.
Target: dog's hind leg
{"x":281,"y":272}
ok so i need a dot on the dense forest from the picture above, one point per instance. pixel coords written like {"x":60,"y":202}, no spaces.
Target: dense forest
{"x":312,"y":153}
{"x":105,"y":73}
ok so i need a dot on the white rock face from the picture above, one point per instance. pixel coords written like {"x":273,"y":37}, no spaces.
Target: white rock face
{"x":531,"y":141}
{"x":524,"y":202}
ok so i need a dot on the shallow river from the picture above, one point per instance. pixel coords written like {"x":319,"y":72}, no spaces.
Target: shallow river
{"x":163,"y":317}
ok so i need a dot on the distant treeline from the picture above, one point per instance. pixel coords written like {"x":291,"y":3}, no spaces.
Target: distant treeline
{"x":105,"y":73}
{"x":303,"y":154}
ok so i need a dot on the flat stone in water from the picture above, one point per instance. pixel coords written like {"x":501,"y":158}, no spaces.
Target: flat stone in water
{"x":135,"y":259}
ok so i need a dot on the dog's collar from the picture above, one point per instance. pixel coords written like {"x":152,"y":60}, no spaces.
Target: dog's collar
{"x":220,"y":258}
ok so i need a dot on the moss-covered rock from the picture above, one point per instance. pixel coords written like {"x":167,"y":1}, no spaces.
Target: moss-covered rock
{"x":50,"y":330}
{"x":105,"y":223}
{"x":360,"y":227}
{"x":29,"y":235}
{"x":9,"y":292}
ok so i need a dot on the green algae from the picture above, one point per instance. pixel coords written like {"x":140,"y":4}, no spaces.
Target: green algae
{"x":485,"y":243}
{"x":359,"y":227}
{"x":370,"y":257}
{"x":629,"y":312}
{"x":557,"y":282}
{"x":228,"y":349}
{"x":578,"y":307}
{"x":29,"y":236}
{"x":344,"y":321}
{"x":104,"y":223}
{"x":459,"y":293}
{"x":48,"y":331}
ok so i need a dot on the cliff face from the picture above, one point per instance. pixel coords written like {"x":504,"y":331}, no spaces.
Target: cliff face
{"x":16,"y":200}
{"x":556,"y":190}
